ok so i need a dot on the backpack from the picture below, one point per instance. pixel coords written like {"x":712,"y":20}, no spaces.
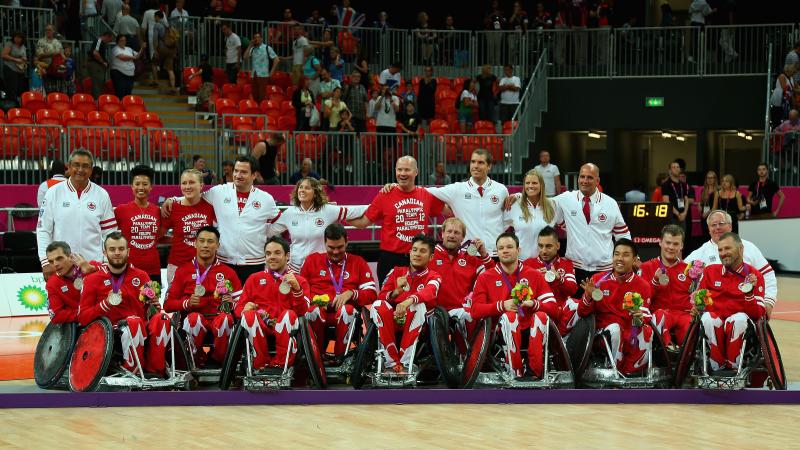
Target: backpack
{"x":171,"y":37}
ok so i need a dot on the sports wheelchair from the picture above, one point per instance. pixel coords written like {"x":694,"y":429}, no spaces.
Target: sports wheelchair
{"x":434,"y":358}
{"x":485,"y":364}
{"x":53,"y":353}
{"x":760,"y":361}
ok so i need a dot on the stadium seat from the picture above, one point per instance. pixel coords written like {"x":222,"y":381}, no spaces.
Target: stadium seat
{"x":47,"y":117}
{"x":439,"y":126}
{"x":290,"y":92}
{"x":243,"y":78}
{"x":86,"y":86}
{"x":9,"y":142}
{"x":164,"y":145}
{"x":125,"y":119}
{"x":58,"y":101}
{"x":232,"y":92}
{"x":274,"y":89}
{"x":73,"y":118}
{"x":109,"y":103}
{"x":220,"y":77}
{"x":277,"y":98}
{"x":191,"y":86}
{"x":149,"y":120}
{"x":282,"y":79}
{"x":225,"y":107}
{"x":98,"y":119}
{"x":247,"y":91}
{"x":249,"y":107}
{"x":287,"y":123}
{"x":33,"y":101}
{"x":484,"y":127}
{"x":509,"y":126}
{"x":123,"y":144}
{"x":372,"y":125}
{"x":458,"y":84}
{"x":243,"y":123}
{"x":19,"y":116}
{"x":83,"y":103}
{"x":133,"y":104}
{"x":287,"y":108}
{"x":308,"y":145}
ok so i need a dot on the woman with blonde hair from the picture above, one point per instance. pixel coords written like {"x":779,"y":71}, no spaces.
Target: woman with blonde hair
{"x":707,"y":196}
{"x":189,"y":215}
{"x":529,"y":214}
{"x":729,"y":199}
{"x":307,"y":219}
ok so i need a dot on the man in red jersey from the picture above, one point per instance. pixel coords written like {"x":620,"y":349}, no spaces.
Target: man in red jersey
{"x":559,"y":273}
{"x":114,"y":292}
{"x":671,"y":286}
{"x":200,"y":290}
{"x":603,"y":296}
{"x":407,"y":295}
{"x":140,"y":223}
{"x":493,"y":298}
{"x":271,"y":302}
{"x":403,"y":213}
{"x":347,"y":281}
{"x":64,"y":289}
{"x":737,"y":290}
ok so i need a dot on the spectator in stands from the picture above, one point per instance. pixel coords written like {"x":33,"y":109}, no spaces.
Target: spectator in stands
{"x":391,"y":77}
{"x":698,"y":11}
{"x":128,"y":26}
{"x":311,"y":70}
{"x":439,"y":177}
{"x":426,"y":37}
{"x":97,"y":175}
{"x":487,"y":93}
{"x":783,"y":95}
{"x":15,"y":58}
{"x":762,"y":190}
{"x":550,"y":173}
{"x":362,"y":67}
{"x":299,"y":54}
{"x":88,"y":12}
{"x":306,"y":171}
{"x":518,"y":22}
{"x":656,"y":195}
{"x":707,"y":195}
{"x":676,"y":192}
{"x":382,"y":22}
{"x":263,"y":56}
{"x":233,"y":52}
{"x":729,"y":199}
{"x":97,"y":65}
{"x":206,"y":73}
{"x":426,"y":96}
{"x":332,"y":108}
{"x":227,"y":172}
{"x":327,"y":84}
{"x":409,"y":124}
{"x":286,"y":24}
{"x":542,"y":20}
{"x":346,"y":121}
{"x":50,"y":52}
{"x":58,"y":173}
{"x":110,"y":9}
{"x":509,"y":87}
{"x":122,"y":65}
{"x":315,"y":18}
{"x":466,"y":103}
{"x":494,"y":21}
{"x":199,"y":164}
{"x":167,"y":39}
{"x":336,"y":66}
{"x":179,"y":11}
{"x":148,"y":24}
{"x":791,"y":124}
{"x":355,"y":96}
{"x":636,"y":195}
{"x":793,"y":59}
{"x":266,"y":152}
{"x":326,"y":44}
{"x":386,"y":108}
{"x":372,"y":113}
{"x":70,"y":69}
{"x":303,"y":103}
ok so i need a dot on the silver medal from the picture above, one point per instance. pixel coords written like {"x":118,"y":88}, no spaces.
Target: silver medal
{"x":406,"y":287}
{"x":284,"y":288}
{"x":746,"y":287}
{"x":597,"y":295}
{"x":549,"y":276}
{"x":199,"y":290}
{"x":663,"y":279}
{"x":472,"y":250}
{"x":114,"y":298}
{"x":78,"y":283}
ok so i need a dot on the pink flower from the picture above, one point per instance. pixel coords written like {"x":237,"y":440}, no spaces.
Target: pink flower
{"x":222,"y":288}
{"x":149,"y":292}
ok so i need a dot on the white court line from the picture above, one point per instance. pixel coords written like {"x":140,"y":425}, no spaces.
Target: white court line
{"x":785,"y":312}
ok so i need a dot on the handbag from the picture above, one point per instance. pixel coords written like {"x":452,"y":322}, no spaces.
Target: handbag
{"x":314,"y":120}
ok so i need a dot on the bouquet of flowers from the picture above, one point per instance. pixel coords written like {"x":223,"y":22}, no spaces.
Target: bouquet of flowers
{"x":269,"y":321}
{"x":520,"y":293}
{"x":321,"y":300}
{"x":150,"y":292}
{"x":694,"y":272}
{"x":702,"y":299}
{"x":632,"y":302}
{"x":400,"y":320}
{"x":223,"y":288}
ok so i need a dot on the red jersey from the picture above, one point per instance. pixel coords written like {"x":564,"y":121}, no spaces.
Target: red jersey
{"x":676,"y":295}
{"x":422,"y":287}
{"x":404,"y":214}
{"x":492,"y":289}
{"x":564,"y":286}
{"x":458,"y":273}
{"x":357,"y":277}
{"x":609,"y":309}
{"x":728,"y":299}
{"x":142,"y":228}
{"x":262,"y":289}
{"x":185,"y":221}
{"x":184,"y":283}
{"x":96,"y":288}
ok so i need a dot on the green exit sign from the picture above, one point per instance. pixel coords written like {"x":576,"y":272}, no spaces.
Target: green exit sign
{"x":654,"y":102}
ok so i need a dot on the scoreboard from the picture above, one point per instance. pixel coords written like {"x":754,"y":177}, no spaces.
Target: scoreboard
{"x":645,"y":221}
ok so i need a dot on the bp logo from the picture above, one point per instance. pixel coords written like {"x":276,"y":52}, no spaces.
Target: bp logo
{"x":32,"y":298}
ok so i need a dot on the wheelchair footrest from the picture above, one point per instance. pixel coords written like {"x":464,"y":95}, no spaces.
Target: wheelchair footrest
{"x":207,"y":376}
{"x":389,"y":380}
{"x":269,"y":382}
{"x":723,"y":381}
{"x":553,"y":379}
{"x":609,"y":378}
{"x":128,"y":380}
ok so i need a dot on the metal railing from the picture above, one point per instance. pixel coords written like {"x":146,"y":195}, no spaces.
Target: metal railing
{"x":783,"y":157}
{"x":767,"y":106}
{"x":213,"y":39}
{"x":192,"y":34}
{"x":28,"y":21}
{"x":528,"y":116}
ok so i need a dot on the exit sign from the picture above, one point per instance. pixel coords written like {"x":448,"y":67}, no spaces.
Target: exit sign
{"x":654,"y":102}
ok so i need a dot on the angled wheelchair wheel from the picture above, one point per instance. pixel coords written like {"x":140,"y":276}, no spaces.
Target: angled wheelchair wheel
{"x":183,"y":353}
{"x":313,"y":356}
{"x":236,"y":349}
{"x":579,"y":345}
{"x":53,"y":353}
{"x":476,"y":354}
{"x":365,"y":357}
{"x":443,"y":349}
{"x":660,"y":355}
{"x":91,"y":356}
{"x":772,"y":356}
{"x":557,"y":348}
{"x":688,"y":353}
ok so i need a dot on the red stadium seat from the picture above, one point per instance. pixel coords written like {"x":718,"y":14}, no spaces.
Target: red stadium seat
{"x":287,"y":108}
{"x":86,"y":86}
{"x":287,"y":123}
{"x":458,"y":84}
{"x":247,"y":91}
{"x":47,"y":117}
{"x":33,"y":101}
{"x":372,"y":125}
{"x":98,"y":119}
{"x":19,"y":116}
{"x":83,"y":103}
{"x":308,"y":145}
{"x":243,"y":78}
{"x":509,"y":127}
{"x":219,"y":77}
{"x":281,"y":79}
{"x":274,"y":89}
{"x":484,"y":127}
{"x":290,"y":92}
{"x":123,"y":144}
{"x":494,"y":144}
{"x":125,"y":119}
{"x":37,"y":142}
{"x":232,"y":92}
{"x":149,"y":120}
{"x":164,"y":145}
{"x":243,"y":123}
{"x":191,"y":86}
{"x":73,"y":118}
{"x":9,"y":142}
{"x":58,"y":101}
{"x":2,"y":114}
{"x":249,"y":107}
{"x":188,"y":71}
{"x":225,"y":107}
{"x":439,"y":126}
{"x":109,"y":103}
{"x":133,"y":104}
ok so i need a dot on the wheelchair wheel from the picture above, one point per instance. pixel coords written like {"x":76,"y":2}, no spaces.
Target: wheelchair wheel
{"x":660,"y":355}
{"x":557,"y":348}
{"x":442,"y":347}
{"x":53,"y":353}
{"x":476,"y":355}
{"x":92,"y":355}
{"x":365,"y":357}
{"x":579,"y":345}
{"x":312,"y":354}
{"x":688,"y":353}
{"x":772,"y":356}
{"x":230,"y":365}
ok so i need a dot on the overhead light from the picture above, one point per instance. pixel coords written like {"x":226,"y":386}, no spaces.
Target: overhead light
{"x":665,"y":134}
{"x":680,"y":138}
{"x":741,"y":134}
{"x":594,"y":135}
{"x":748,"y":137}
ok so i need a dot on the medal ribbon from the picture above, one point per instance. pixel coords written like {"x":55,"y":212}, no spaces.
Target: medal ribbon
{"x":116,"y":283}
{"x":276,"y":275}
{"x":746,"y":273}
{"x":76,"y":273}
{"x":507,"y":280}
{"x":464,"y":246}
{"x":337,"y":286}
{"x":200,"y":278}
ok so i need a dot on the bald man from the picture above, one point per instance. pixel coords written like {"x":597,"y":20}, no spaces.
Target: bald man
{"x":593,"y":220}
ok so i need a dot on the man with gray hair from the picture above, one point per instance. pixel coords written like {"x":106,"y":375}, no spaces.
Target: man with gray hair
{"x":720,"y":223}
{"x":64,"y":289}
{"x":77,"y":211}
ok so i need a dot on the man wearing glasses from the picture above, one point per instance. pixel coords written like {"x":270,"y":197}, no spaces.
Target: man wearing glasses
{"x":719,"y":223}
{"x":78,"y":212}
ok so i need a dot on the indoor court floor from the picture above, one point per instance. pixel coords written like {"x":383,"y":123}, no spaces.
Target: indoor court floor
{"x":571,"y":425}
